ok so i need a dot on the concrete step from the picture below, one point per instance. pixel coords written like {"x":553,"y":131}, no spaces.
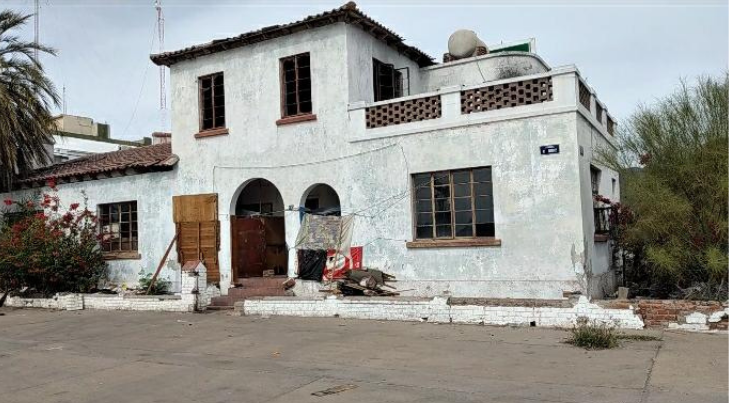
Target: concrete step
{"x":256,"y":292}
{"x":262,"y":282}
{"x":220,"y":307}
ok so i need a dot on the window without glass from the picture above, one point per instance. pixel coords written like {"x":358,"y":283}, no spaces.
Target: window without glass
{"x":119,"y":226}
{"x":295,"y":85}
{"x":595,"y":180}
{"x":454,"y":204}
{"x":212,"y":102}
{"x":387,"y":81}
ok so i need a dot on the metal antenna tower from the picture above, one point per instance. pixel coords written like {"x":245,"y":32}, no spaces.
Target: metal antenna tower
{"x":162,"y":73}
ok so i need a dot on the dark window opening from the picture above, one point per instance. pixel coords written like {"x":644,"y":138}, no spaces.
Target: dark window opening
{"x":212,"y":102}
{"x":387,"y":81}
{"x":311,"y":203}
{"x":595,"y":180}
{"x":119,"y":226}
{"x":454,"y":204}
{"x":296,"y":85}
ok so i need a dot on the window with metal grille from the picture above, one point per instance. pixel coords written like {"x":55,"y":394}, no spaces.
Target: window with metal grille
{"x":212,"y":102}
{"x":119,"y":226}
{"x":584,"y":95}
{"x":598,"y":112}
{"x":296,"y":85}
{"x":387,"y":81}
{"x":454,"y":204}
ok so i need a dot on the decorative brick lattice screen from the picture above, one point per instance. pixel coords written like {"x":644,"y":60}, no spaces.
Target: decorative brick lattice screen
{"x":506,"y":95}
{"x":584,"y":96}
{"x":395,"y":113}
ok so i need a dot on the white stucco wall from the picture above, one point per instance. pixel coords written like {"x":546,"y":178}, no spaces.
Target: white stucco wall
{"x":153,"y":193}
{"x":593,"y":139}
{"x":480,"y":69}
{"x":536,"y":197}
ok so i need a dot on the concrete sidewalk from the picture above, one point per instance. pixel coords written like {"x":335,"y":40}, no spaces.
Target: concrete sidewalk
{"x":93,"y":356}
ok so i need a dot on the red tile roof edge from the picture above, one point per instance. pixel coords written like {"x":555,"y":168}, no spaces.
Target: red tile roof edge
{"x":348,"y":13}
{"x":157,"y":157}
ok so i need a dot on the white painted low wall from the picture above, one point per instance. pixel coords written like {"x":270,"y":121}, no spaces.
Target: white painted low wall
{"x":438,"y":310}
{"x":195,"y":295}
{"x":69,"y":302}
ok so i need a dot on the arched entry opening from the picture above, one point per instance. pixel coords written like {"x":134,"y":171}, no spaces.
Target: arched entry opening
{"x":321,"y":199}
{"x":258,"y":232}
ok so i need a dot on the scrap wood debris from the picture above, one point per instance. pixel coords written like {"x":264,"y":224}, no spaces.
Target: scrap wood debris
{"x":369,"y":282}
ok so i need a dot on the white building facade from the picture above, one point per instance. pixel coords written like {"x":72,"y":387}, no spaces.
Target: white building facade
{"x":474,"y":177}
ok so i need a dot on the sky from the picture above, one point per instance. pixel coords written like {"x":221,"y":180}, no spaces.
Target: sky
{"x":630,"y":52}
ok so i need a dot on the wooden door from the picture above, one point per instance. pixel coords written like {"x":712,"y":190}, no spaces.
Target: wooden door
{"x":249,"y":246}
{"x":198,"y":231}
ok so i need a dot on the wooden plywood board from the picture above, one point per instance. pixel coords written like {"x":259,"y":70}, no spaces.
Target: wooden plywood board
{"x":200,"y":241}
{"x":195,"y":208}
{"x":198,"y":231}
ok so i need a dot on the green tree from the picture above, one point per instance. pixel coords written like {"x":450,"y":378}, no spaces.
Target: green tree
{"x":26,"y":97}
{"x":672,"y":159}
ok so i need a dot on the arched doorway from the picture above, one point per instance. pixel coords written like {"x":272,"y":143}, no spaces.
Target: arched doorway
{"x":258,"y":232}
{"x":321,"y":199}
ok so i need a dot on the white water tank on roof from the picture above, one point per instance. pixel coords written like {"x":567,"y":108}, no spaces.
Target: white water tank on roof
{"x":463,"y":43}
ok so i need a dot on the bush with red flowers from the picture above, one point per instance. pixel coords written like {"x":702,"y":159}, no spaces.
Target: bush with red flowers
{"x":47,"y":248}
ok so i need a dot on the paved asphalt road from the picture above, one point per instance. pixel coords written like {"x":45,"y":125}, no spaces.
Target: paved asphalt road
{"x":115,"y":357}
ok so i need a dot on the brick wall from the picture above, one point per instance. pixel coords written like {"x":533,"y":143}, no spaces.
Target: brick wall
{"x":678,"y":314}
{"x":663,"y":313}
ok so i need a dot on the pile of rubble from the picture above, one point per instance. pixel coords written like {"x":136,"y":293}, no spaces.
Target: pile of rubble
{"x":368,"y":282}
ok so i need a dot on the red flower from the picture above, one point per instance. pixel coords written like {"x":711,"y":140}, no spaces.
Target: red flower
{"x":8,"y":202}
{"x":52,"y":183}
{"x":30,"y":204}
{"x":68,"y":217}
{"x":40,"y":216}
{"x":74,"y":206}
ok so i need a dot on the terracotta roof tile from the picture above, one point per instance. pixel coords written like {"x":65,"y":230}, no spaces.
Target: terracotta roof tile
{"x":151,"y":158}
{"x":348,"y":13}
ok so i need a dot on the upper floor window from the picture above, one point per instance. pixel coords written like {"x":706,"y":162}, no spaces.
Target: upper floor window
{"x":119,"y":227}
{"x":296,"y":85}
{"x":387,"y":81}
{"x":212,"y":102}
{"x":454,"y":204}
{"x":595,"y":180}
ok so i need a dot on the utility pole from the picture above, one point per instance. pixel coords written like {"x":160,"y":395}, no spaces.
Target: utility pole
{"x":162,"y":73}
{"x":64,"y":105}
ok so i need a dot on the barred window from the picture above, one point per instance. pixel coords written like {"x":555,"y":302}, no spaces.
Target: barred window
{"x":296,"y":85}
{"x":454,"y":204}
{"x":119,"y":226}
{"x":212,"y":102}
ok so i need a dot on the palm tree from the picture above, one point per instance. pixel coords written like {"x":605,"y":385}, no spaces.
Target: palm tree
{"x":26,"y":99}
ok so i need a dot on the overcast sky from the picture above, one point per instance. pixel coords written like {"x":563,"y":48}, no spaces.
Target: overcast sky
{"x":631,"y":52}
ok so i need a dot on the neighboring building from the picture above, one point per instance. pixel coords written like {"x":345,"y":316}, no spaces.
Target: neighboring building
{"x":80,"y":136}
{"x":161,"y":137}
{"x":473,"y":177}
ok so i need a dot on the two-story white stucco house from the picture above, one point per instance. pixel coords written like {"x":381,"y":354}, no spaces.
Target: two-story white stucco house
{"x":472,"y":177}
